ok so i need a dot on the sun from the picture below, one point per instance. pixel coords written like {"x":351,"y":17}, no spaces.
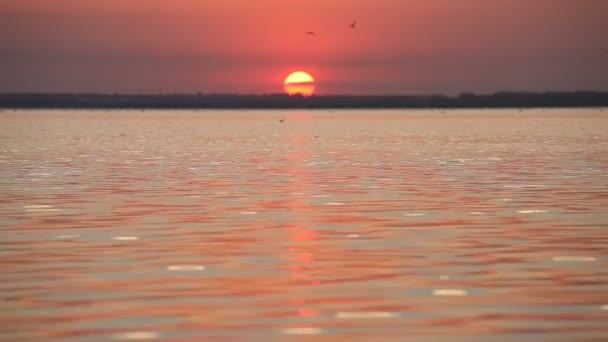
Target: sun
{"x":299,"y":82}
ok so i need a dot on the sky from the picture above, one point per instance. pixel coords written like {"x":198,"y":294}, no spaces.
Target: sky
{"x":250,"y":46}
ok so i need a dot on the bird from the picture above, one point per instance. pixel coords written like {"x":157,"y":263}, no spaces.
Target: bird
{"x":353,"y":24}
{"x":312,"y":34}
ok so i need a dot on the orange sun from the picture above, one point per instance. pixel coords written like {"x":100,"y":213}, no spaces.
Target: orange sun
{"x":299,"y":82}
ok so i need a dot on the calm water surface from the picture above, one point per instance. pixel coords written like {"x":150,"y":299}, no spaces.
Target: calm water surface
{"x":357,"y":225}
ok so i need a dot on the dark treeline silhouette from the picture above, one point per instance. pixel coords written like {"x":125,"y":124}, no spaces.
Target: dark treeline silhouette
{"x":282,"y":101}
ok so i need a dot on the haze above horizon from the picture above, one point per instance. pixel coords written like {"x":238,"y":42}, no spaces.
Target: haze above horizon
{"x":240,"y":46}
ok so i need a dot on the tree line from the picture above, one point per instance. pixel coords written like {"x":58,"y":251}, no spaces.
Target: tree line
{"x":282,"y":101}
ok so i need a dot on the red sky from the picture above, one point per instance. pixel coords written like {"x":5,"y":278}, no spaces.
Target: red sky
{"x":249,"y":46}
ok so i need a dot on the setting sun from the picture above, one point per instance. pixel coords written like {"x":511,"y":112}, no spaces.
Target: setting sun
{"x":299,"y":82}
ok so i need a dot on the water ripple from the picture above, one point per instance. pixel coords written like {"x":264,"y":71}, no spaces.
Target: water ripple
{"x":383,"y":225}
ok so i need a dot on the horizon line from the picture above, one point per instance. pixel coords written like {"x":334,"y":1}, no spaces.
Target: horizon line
{"x":462,"y":93}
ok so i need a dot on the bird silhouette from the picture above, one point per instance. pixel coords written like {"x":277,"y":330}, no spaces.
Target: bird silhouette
{"x":353,"y":24}
{"x":312,"y":34}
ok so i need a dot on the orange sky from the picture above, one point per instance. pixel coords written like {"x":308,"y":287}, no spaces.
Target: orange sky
{"x":247,"y":46}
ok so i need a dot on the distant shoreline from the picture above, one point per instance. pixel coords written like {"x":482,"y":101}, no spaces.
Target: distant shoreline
{"x":282,"y":101}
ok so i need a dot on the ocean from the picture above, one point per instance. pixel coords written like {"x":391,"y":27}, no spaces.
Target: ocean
{"x":380,"y":225}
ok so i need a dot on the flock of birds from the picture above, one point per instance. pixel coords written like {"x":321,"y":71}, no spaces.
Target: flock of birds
{"x":312,"y":33}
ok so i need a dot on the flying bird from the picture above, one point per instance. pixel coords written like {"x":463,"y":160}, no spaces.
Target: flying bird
{"x":312,"y":34}
{"x":353,"y":24}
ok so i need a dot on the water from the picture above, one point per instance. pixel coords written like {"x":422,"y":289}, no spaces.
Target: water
{"x":359,"y":225}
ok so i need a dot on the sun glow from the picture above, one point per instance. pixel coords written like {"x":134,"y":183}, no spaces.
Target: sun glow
{"x":299,"y":82}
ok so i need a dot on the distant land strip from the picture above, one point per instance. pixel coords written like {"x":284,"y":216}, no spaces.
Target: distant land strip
{"x":282,"y":101}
